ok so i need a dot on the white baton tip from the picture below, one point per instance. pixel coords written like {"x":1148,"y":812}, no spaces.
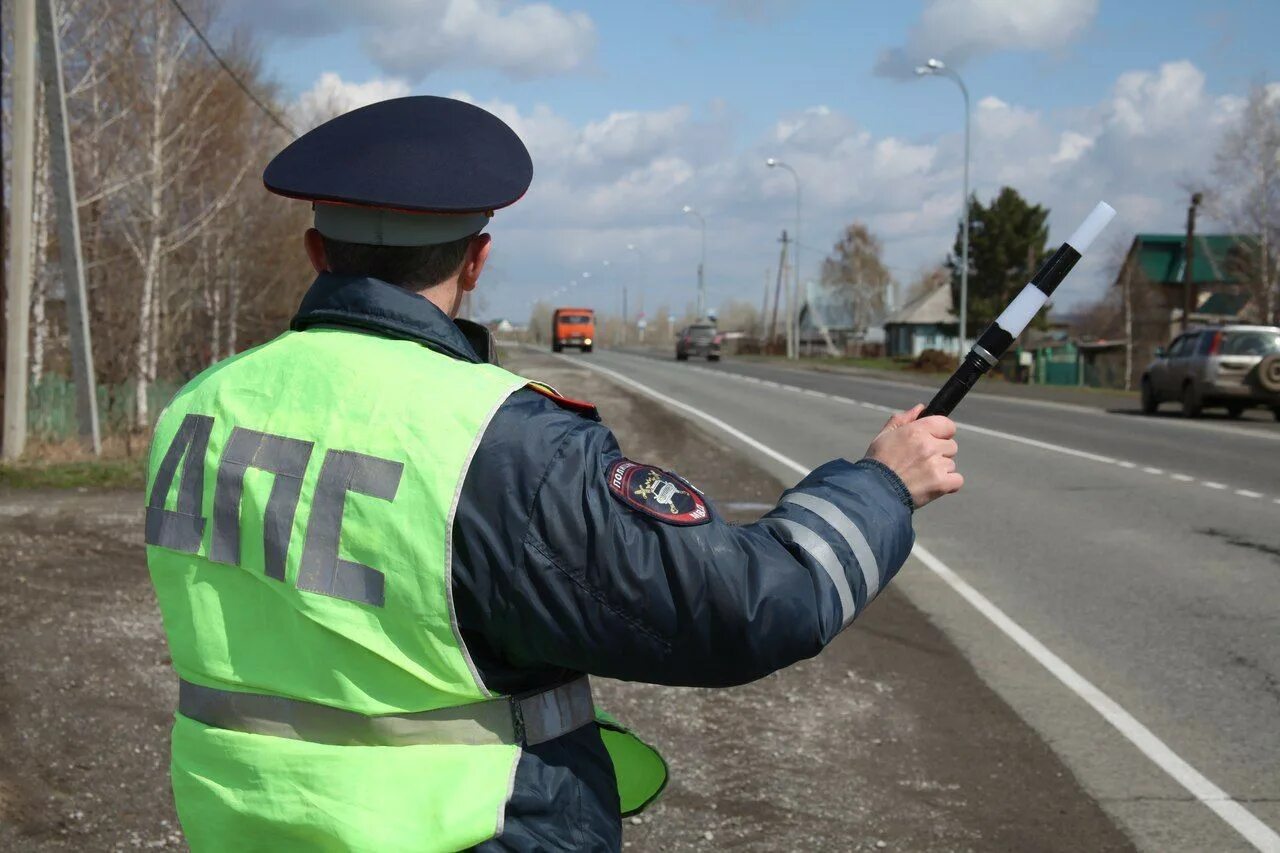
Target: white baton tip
{"x":1092,"y":227}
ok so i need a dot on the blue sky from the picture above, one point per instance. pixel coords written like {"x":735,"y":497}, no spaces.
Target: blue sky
{"x":633,"y":109}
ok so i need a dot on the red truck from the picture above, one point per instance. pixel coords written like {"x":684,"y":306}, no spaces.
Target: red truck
{"x":573,"y":327}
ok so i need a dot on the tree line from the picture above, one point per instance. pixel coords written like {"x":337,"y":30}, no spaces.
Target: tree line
{"x":186,"y":256}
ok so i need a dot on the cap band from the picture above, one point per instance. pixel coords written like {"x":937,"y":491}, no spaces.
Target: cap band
{"x":376,"y":226}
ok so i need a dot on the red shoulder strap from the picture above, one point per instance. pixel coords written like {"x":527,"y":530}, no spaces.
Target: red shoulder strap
{"x":579,"y":406}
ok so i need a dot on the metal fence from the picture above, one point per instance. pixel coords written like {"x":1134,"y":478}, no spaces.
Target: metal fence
{"x":51,"y":407}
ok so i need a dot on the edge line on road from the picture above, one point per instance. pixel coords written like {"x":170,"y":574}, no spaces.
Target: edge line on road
{"x":995,"y":433}
{"x":1235,"y":815}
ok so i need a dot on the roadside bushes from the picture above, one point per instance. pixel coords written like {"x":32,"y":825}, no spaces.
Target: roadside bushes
{"x":934,"y":361}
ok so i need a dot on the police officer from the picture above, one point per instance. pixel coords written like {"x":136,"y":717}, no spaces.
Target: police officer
{"x":386,"y":565}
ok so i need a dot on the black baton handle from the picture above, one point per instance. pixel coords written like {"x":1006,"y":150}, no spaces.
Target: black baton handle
{"x":954,"y":389}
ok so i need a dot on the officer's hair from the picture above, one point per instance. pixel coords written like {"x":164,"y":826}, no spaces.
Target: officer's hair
{"x":410,"y":267}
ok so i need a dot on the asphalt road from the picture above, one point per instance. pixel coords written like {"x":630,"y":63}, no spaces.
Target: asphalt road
{"x":1139,"y":559}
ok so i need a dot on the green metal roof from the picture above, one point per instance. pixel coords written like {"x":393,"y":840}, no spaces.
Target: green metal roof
{"x":1160,"y":257}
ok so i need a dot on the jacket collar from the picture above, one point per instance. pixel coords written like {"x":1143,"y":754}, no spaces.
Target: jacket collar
{"x":384,"y":309}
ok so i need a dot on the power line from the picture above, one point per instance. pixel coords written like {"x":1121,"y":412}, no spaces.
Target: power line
{"x":279,"y":122}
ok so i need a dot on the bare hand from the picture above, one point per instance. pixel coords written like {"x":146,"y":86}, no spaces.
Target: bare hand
{"x":921,"y":451}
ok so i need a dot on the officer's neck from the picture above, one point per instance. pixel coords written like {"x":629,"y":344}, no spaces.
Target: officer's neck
{"x":447,"y":296}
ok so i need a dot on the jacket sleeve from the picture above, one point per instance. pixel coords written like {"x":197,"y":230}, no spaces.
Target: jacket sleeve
{"x":553,"y":570}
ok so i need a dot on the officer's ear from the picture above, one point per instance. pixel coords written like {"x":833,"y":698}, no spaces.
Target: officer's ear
{"x":314,"y":244}
{"x":473,"y":261}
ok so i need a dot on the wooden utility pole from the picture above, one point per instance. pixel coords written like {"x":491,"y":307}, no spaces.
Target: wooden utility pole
{"x":764,"y":303}
{"x":62,"y":176}
{"x":1189,"y":257}
{"x":18,"y":324}
{"x":782,"y":266}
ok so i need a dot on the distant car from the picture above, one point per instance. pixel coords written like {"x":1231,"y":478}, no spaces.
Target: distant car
{"x":573,"y":327}
{"x":698,"y":340}
{"x":1234,"y":367}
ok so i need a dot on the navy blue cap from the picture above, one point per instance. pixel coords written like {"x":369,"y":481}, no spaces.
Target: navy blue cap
{"x":420,"y":154}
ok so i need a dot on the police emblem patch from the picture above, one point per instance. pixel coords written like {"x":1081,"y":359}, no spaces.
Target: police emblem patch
{"x":657,"y":493}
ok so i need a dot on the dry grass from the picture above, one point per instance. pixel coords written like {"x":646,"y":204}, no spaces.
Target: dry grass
{"x":68,"y":464}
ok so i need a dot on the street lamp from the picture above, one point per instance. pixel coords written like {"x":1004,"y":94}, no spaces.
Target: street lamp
{"x":702,"y":290}
{"x":934,"y":68}
{"x":793,"y":333}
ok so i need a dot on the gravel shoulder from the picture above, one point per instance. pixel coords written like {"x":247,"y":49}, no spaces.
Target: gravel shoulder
{"x":888,"y":740}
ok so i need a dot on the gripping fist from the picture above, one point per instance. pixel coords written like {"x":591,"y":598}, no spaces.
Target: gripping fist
{"x":922,"y":452}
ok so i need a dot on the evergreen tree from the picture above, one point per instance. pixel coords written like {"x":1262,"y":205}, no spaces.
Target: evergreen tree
{"x":1006,"y":246}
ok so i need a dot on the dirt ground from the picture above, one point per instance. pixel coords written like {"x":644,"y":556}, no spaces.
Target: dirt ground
{"x":886,"y":741}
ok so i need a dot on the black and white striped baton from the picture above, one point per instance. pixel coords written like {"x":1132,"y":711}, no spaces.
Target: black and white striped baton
{"x":999,"y":335}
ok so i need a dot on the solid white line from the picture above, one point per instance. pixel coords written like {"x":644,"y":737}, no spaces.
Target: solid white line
{"x":1172,"y":423}
{"x":1197,"y":784}
{"x":1235,"y":815}
{"x":1007,"y":436}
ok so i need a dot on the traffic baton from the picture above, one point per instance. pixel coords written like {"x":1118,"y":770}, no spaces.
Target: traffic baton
{"x":999,"y":335}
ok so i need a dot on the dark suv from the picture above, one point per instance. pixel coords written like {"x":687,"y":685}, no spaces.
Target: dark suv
{"x":699,"y":339}
{"x":1230,"y":366}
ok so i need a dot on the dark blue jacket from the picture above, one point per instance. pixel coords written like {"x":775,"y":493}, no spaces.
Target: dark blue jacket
{"x":555,"y":573}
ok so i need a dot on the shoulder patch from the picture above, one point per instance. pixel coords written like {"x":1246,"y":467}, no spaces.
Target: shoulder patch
{"x":583,"y":408}
{"x":657,"y":493}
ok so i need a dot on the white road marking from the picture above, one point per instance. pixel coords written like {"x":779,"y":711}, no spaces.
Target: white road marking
{"x":1235,"y":815}
{"x":1007,"y":436}
{"x":1175,"y":423}
{"x":1248,"y":493}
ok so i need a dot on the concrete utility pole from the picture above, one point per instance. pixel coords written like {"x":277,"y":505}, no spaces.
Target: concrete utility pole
{"x":782,"y":276}
{"x":1189,"y":256}
{"x":62,"y":175}
{"x":18,"y":326}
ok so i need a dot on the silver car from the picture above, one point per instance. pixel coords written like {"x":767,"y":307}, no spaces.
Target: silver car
{"x":1230,"y":366}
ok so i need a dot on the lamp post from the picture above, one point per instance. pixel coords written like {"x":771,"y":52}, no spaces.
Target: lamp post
{"x":702,"y":290}
{"x":793,"y":332}
{"x":934,"y":68}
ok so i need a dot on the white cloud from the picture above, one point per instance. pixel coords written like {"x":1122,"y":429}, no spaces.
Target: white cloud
{"x":621,"y":177}
{"x":523,"y":40}
{"x":331,"y":96}
{"x":413,"y":38}
{"x":1071,"y":147}
{"x":958,"y":30}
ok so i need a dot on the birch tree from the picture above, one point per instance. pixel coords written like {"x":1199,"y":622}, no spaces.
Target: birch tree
{"x":1247,"y":197}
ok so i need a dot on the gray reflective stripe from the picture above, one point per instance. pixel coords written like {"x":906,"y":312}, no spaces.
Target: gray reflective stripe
{"x":845,"y":526}
{"x":320,"y":569}
{"x":551,"y":713}
{"x":531,"y":720}
{"x":287,"y":459}
{"x":183,"y":528}
{"x":825,"y":556}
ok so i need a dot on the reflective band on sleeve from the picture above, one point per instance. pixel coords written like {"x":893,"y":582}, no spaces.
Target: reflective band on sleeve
{"x":1019,"y":312}
{"x":843,"y":525}
{"x":551,"y":713}
{"x":534,"y":719}
{"x":824,"y":555}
